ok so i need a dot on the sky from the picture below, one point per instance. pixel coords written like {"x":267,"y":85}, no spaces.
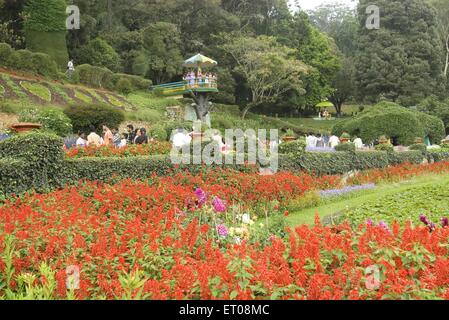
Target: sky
{"x":311,"y":4}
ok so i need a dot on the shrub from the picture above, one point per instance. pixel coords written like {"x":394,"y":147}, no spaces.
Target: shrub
{"x":419,"y":147}
{"x":84,"y":116}
{"x":124,"y":86}
{"x":56,"y":121}
{"x":439,"y":156}
{"x":347,"y":146}
{"x":5,"y":53}
{"x":414,"y":157}
{"x":294,"y":148}
{"x":98,"y":52}
{"x":433,"y":127}
{"x":137,"y":83}
{"x":21,"y":60}
{"x":387,"y":119}
{"x":158,"y":133}
{"x":44,"y":65}
{"x":43,"y":157}
{"x":384,"y":147}
{"x":95,"y":76}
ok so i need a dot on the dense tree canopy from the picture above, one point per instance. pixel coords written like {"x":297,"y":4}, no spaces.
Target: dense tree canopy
{"x":402,"y":60}
{"x":406,"y":60}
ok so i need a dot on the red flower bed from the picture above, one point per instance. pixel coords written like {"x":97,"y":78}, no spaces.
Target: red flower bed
{"x":150,"y":240}
{"x":399,"y":172}
{"x":153,"y":148}
{"x":115,"y":234}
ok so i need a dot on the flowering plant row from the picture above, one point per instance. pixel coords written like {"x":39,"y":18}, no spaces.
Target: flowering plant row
{"x":154,"y":148}
{"x":107,"y":244}
{"x":217,"y":235}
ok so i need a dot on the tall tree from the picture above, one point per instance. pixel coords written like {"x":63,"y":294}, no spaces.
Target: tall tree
{"x":343,"y":85}
{"x":270,"y":69}
{"x":442,"y":9}
{"x":402,"y":60}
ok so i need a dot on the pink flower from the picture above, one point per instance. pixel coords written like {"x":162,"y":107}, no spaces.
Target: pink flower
{"x":219,"y":206}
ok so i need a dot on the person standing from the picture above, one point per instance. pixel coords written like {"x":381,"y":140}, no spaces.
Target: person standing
{"x":70,"y":68}
{"x":334,"y":141}
{"x":93,"y":138}
{"x":131,"y":134}
{"x":116,"y":138}
{"x":108,"y":137}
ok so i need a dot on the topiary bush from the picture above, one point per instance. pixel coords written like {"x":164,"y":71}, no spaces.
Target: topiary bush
{"x":84,"y":116}
{"x":124,"y":86}
{"x":294,"y":148}
{"x":392,"y":120}
{"x":43,"y":156}
{"x":384,"y":147}
{"x":347,"y":146}
{"x":433,"y":127}
{"x":419,"y":147}
{"x":5,"y":53}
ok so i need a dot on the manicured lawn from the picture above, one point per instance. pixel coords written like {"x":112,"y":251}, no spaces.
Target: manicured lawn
{"x":309,"y":122}
{"x":390,"y":191}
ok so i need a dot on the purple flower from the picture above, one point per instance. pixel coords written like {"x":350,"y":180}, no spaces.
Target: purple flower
{"x":369,"y":222}
{"x":424,"y":219}
{"x":445,"y":222}
{"x":201,"y":195}
{"x":219,"y":206}
{"x":222,"y":230}
{"x":384,"y":226}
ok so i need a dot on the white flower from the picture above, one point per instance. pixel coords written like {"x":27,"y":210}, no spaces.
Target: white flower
{"x":246,"y":218}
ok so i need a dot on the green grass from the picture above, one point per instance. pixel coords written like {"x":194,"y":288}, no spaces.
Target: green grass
{"x":94,"y":94}
{"x":307,"y":216}
{"x":14,"y":87}
{"x":37,"y":89}
{"x":61,"y":92}
{"x":146,"y":100}
{"x":81,"y":96}
{"x":309,"y":122}
{"x":114,"y":101}
{"x":431,"y":200}
{"x":145,"y":115}
{"x":2,"y":91}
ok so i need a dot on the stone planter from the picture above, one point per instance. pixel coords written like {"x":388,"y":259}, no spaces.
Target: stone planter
{"x":25,"y":127}
{"x":288,"y":139}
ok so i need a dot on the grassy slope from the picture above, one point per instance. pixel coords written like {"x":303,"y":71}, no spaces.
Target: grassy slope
{"x":307,"y":216}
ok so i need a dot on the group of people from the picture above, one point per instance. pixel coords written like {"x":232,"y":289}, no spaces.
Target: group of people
{"x":324,"y":114}
{"x":200,"y":79}
{"x":325,"y":141}
{"x":112,"y":137}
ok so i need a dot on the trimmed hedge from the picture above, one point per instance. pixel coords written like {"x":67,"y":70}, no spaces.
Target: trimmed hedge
{"x":394,"y":121}
{"x":36,"y":161}
{"x":25,"y":60}
{"x":43,"y":159}
{"x":342,"y":162}
{"x":438,"y":156}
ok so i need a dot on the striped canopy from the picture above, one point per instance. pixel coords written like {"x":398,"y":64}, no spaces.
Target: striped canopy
{"x":200,"y":61}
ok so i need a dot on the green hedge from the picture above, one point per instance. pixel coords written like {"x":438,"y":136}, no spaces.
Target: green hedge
{"x":438,"y":156}
{"x":343,"y":162}
{"x":25,"y":60}
{"x":36,"y":161}
{"x":43,"y":156}
{"x":393,"y":121}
